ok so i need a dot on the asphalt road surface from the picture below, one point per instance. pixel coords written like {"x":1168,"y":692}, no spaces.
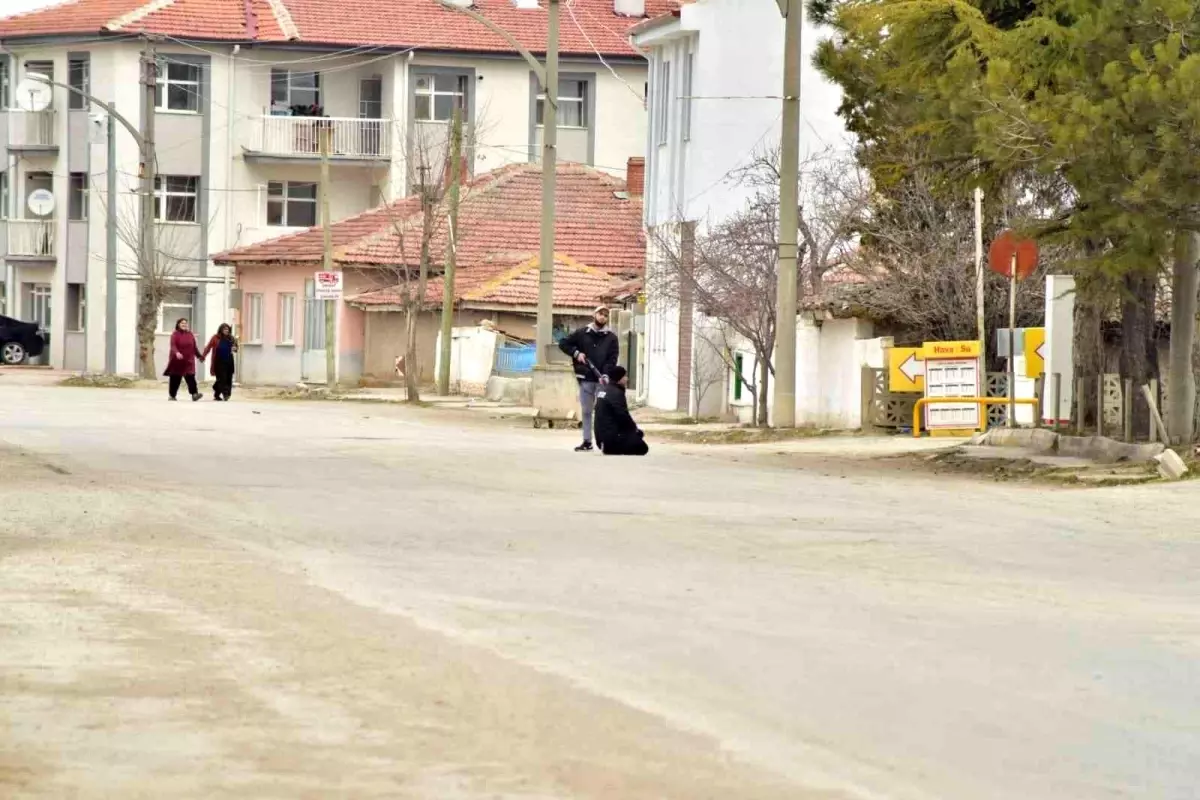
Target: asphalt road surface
{"x":319,"y":600}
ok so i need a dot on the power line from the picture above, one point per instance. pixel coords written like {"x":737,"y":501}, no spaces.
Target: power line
{"x":596,"y":50}
{"x":739,"y":163}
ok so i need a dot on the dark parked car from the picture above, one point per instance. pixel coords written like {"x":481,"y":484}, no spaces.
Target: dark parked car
{"x":19,"y":341}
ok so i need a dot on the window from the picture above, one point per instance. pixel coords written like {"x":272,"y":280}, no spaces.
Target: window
{"x":290,"y":88}
{"x":685,"y":110}
{"x":43,"y":68}
{"x":3,"y":299}
{"x":76,"y":307}
{"x":291,"y":204}
{"x":175,"y":198}
{"x":178,"y":87}
{"x":178,"y":304}
{"x":77,"y":203}
{"x":662,"y":103}
{"x":4,"y":82}
{"x":39,"y":304}
{"x":572,"y":104}
{"x":4,"y":194}
{"x":254,"y":318}
{"x":287,"y":319}
{"x":79,"y":77}
{"x":438,"y":95}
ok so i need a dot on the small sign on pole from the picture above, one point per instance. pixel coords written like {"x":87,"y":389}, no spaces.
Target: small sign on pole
{"x":327,"y":286}
{"x":1016,"y":259}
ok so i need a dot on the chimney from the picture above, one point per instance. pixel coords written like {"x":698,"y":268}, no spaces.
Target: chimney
{"x":629,"y":8}
{"x":635,"y":176}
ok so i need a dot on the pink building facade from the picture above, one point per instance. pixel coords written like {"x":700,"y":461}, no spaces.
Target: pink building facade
{"x":283,"y":327}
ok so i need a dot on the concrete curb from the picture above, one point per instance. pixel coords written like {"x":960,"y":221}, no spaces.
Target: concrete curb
{"x":1100,"y":449}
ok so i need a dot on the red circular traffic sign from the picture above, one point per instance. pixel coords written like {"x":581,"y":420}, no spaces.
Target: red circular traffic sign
{"x":1007,"y":249}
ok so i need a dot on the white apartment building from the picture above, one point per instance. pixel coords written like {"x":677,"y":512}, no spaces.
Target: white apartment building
{"x":244,"y":93}
{"x":716,"y":73}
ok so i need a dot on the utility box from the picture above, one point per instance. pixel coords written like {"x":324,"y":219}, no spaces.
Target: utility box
{"x":555,"y":396}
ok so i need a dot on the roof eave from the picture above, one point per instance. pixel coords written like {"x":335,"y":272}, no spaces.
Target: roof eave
{"x":657,"y":31}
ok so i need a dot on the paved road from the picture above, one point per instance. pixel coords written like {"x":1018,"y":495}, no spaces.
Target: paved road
{"x":298,"y":599}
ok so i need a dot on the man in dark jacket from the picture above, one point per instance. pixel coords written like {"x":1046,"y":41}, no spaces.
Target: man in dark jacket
{"x":616,"y":432}
{"x":595,"y":350}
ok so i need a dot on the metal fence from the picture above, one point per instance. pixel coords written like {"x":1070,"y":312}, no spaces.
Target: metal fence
{"x":516,"y":359}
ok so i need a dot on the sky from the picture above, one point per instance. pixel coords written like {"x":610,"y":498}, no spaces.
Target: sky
{"x":10,"y":7}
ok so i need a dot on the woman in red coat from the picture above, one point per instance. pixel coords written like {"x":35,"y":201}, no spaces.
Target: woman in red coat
{"x":181,"y":365}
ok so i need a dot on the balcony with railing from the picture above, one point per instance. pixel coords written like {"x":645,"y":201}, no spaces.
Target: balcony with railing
{"x":32,"y":130}
{"x":32,"y":238}
{"x":300,"y":138}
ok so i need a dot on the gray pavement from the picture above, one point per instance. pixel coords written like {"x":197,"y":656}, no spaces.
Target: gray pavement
{"x":302,"y":599}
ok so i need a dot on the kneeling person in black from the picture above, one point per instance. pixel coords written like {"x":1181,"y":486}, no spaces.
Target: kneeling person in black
{"x":616,"y":432}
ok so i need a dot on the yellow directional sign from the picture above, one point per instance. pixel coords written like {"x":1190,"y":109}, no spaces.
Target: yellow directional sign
{"x":1035,"y":352}
{"x":906,"y":369}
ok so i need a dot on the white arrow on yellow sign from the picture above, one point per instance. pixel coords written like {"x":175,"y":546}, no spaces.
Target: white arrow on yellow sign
{"x":1035,"y":352}
{"x":906,"y":369}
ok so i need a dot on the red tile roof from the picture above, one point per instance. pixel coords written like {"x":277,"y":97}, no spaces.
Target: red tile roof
{"x":499,"y":223}
{"x":626,"y":290}
{"x":576,"y":286}
{"x":587,"y":26}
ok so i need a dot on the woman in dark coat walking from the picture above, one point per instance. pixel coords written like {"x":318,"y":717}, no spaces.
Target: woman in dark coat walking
{"x":222,"y":346}
{"x":181,"y":366}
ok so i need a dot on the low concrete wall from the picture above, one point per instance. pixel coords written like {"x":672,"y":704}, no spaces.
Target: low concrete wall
{"x":472,"y":358}
{"x":513,"y":391}
{"x":1100,"y":449}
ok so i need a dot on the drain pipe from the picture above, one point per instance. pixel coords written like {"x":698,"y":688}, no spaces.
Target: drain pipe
{"x":229,"y":109}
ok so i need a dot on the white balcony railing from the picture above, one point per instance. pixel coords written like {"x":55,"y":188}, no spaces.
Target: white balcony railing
{"x":32,"y":238}
{"x":301,"y":137}
{"x":32,"y":128}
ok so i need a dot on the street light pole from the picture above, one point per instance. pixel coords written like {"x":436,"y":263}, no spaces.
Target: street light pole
{"x":110,"y":304}
{"x":548,"y":76}
{"x":789,"y":210}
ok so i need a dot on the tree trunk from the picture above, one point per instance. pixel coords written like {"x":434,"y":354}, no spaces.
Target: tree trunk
{"x":1088,"y":348}
{"x":1196,"y":373}
{"x":1181,"y":400}
{"x":1139,"y":361}
{"x":764,"y":375}
{"x":412,"y":369}
{"x":147,"y":323}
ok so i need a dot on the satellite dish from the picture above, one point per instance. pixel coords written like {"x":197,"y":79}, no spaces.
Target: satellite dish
{"x":34,"y":93}
{"x":41,"y":202}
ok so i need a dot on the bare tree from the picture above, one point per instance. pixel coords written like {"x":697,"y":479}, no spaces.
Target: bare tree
{"x":732,"y":272}
{"x":731,"y":278}
{"x":835,"y":196}
{"x":418,"y":225}
{"x":176,"y":257}
{"x":709,"y":366}
{"x":916,"y":264}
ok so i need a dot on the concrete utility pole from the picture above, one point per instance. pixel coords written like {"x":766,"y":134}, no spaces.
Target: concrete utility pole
{"x":980,"y":324}
{"x":147,"y":246}
{"x":110,"y":298}
{"x":110,"y":260}
{"x":327,"y":262}
{"x":456,"y":134}
{"x":545,"y":317}
{"x":789,"y":220}
{"x":548,"y":77}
